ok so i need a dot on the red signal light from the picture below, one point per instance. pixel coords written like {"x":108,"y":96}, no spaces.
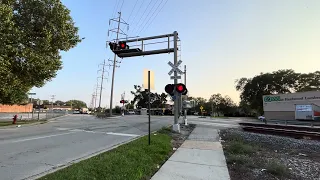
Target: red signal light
{"x":181,"y":88}
{"x":122,"y":45}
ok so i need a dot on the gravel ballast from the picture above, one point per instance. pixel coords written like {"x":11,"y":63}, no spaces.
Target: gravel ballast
{"x":297,"y":158}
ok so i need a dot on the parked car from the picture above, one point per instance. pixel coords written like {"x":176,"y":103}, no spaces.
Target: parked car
{"x":131,"y":112}
{"x":261,"y":118}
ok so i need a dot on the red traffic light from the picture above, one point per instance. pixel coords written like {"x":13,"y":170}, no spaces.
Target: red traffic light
{"x":181,"y":88}
{"x":122,"y":45}
{"x":169,"y":89}
{"x":122,"y":101}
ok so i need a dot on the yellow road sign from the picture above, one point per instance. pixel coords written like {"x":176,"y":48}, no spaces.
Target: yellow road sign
{"x":201,"y":107}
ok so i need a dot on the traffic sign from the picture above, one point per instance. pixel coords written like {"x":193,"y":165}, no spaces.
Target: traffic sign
{"x":39,"y":102}
{"x":175,"y":77}
{"x":175,"y":68}
{"x":31,"y":93}
{"x":201,"y":108}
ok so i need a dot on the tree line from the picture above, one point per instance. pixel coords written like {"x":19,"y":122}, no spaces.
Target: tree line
{"x":251,"y":92}
{"x":74,"y":103}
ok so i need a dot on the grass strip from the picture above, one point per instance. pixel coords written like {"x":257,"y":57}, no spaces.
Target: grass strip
{"x":20,"y":122}
{"x":134,"y":160}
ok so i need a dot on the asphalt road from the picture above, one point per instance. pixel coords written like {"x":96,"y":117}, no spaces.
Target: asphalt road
{"x":33,"y":150}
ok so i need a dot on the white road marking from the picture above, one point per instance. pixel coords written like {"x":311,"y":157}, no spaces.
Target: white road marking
{"x":99,"y":132}
{"x":41,"y":137}
{"x":122,"y":134}
{"x":63,"y":129}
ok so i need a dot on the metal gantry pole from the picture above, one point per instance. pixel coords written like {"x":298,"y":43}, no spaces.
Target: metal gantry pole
{"x":176,"y":126}
{"x":114,"y":67}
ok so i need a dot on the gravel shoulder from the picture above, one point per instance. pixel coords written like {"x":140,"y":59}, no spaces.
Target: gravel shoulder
{"x":252,"y":156}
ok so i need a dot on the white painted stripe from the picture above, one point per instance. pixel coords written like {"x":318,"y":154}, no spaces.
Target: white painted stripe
{"x":63,"y":129}
{"x":122,"y":134}
{"x":41,"y":137}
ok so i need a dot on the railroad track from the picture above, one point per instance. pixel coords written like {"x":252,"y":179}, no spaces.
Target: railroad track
{"x":300,"y":132}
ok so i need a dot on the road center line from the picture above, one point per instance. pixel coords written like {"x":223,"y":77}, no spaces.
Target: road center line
{"x":41,"y":137}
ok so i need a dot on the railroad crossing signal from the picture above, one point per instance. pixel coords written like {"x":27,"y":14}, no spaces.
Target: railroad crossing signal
{"x":180,"y":88}
{"x":123,"y":45}
{"x":122,"y":48}
{"x":169,"y":89}
{"x":175,"y":68}
{"x":123,"y":101}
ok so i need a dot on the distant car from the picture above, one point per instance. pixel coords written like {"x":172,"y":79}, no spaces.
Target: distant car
{"x":76,"y":112}
{"x":261,"y":118}
{"x":131,"y":112}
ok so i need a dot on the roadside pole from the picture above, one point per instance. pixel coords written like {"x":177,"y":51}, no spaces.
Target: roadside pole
{"x":149,"y":105}
{"x":176,"y":125}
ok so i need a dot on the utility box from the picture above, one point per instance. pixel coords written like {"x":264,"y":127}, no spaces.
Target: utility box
{"x":307,"y":112}
{"x":186,"y":105}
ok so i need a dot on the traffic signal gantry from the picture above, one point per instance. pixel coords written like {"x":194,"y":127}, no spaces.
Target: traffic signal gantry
{"x":122,"y":50}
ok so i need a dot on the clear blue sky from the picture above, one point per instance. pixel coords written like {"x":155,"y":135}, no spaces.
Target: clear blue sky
{"x":222,"y":40}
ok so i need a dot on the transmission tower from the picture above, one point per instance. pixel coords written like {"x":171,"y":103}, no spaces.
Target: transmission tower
{"x":102,"y":77}
{"x":118,"y":32}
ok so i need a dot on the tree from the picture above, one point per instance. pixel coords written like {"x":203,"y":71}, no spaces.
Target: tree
{"x":281,"y":81}
{"x":141,"y":98}
{"x":76,"y":104}
{"x":32,"y":35}
{"x":59,"y":103}
{"x":46,"y":102}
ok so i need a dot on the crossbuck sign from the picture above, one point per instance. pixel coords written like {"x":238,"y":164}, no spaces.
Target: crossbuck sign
{"x":175,"y":68}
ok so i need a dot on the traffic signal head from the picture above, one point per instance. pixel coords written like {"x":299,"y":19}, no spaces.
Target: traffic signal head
{"x":181,"y":88}
{"x":169,"y":89}
{"x":113,"y":46}
{"x":122,"y":101}
{"x":123,"y":45}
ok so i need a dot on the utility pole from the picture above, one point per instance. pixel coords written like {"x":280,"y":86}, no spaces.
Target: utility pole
{"x":52,"y":98}
{"x":186,"y":97}
{"x":119,"y":21}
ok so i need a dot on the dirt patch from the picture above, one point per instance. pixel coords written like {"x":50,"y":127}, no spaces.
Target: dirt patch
{"x":178,"y":138}
{"x":252,"y":156}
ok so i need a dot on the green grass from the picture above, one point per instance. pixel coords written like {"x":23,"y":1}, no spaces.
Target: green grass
{"x":135,"y":160}
{"x":276,"y":168}
{"x":21,"y":122}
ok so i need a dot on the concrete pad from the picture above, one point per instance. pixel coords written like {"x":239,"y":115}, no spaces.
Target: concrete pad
{"x":201,"y":145}
{"x":185,"y":171}
{"x":197,"y":156}
{"x":204,"y":134}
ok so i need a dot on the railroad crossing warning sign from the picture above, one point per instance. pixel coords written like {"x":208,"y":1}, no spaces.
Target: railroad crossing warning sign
{"x":201,"y":107}
{"x":175,"y":68}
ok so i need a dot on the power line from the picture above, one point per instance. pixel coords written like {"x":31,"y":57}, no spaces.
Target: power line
{"x":132,"y":10}
{"x":121,"y":5}
{"x":153,"y":18}
{"x":143,"y":14}
{"x":137,"y":11}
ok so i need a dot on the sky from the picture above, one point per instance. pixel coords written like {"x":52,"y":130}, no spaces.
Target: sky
{"x":221,"y":41}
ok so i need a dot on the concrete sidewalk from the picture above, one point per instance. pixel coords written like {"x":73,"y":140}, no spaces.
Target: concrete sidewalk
{"x":199,"y":157}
